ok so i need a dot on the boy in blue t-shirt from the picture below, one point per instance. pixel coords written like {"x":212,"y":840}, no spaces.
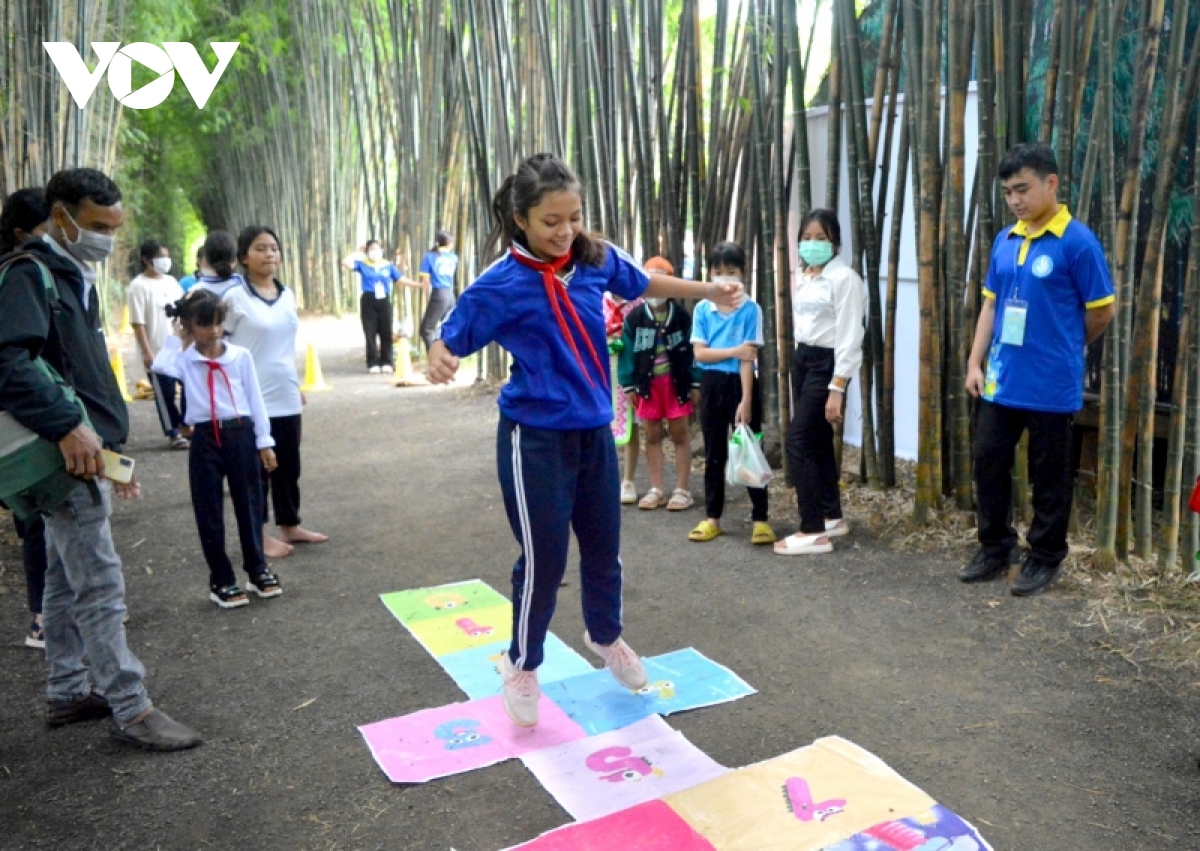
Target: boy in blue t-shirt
{"x":1048,"y":295}
{"x":726,"y":346}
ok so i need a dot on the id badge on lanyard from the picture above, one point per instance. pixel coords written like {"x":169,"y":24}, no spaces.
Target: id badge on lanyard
{"x":381,"y":290}
{"x":1012,"y":332}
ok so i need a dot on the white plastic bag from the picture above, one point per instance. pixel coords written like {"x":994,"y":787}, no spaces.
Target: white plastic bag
{"x":747,"y":464}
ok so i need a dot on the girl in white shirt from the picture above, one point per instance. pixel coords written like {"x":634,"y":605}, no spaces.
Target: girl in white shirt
{"x":231,"y":439}
{"x":827,"y":313}
{"x":262,"y":317}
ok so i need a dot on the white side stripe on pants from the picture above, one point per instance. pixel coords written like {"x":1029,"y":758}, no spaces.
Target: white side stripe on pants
{"x":526,"y":546}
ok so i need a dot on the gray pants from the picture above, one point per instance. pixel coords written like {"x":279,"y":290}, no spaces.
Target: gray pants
{"x":83,"y":609}
{"x":441,"y":301}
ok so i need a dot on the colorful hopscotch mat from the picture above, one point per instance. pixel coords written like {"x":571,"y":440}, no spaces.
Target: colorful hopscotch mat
{"x":613,"y":771}
{"x":461,"y":737}
{"x":829,"y":796}
{"x":466,"y":626}
{"x":678,"y":681}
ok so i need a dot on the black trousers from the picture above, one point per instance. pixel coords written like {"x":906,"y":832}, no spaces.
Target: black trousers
{"x":376,"y":315}
{"x":170,"y":414}
{"x":283,"y":485}
{"x":998,"y":429}
{"x":720,"y":395}
{"x":33,"y":553}
{"x":441,"y":301}
{"x":809,"y":443}
{"x":208,"y":465}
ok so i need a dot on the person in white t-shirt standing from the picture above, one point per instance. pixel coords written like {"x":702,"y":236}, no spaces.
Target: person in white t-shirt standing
{"x":262,"y":318}
{"x":148,"y":296}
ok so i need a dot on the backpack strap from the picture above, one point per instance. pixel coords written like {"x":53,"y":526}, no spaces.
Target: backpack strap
{"x":44,"y":271}
{"x":52,"y":295}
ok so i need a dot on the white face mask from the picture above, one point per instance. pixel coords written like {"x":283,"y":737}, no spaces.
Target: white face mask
{"x":375,"y":255}
{"x":162,"y":265}
{"x":726,"y":279}
{"x":89,"y":246}
{"x":656,"y":302}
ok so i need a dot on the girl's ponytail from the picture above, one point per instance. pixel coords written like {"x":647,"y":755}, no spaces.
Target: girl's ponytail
{"x":504,"y":226}
{"x":220,"y":251}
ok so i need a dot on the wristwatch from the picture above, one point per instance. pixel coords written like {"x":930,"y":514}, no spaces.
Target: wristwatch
{"x":838,"y":385}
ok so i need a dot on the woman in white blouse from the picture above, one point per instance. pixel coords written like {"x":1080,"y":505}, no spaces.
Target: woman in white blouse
{"x":262,"y":318}
{"x":827,"y":313}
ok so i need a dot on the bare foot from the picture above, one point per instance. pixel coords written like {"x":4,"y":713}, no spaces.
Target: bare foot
{"x":275,"y":548}
{"x":300,"y":535}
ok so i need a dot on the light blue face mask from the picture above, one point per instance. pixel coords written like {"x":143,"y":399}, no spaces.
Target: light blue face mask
{"x":816,"y":252}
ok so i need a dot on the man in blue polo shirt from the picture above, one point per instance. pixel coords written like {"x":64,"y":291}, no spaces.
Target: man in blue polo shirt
{"x":1048,"y":294}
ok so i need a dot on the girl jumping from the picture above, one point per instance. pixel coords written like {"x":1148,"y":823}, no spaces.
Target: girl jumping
{"x":541,"y":301}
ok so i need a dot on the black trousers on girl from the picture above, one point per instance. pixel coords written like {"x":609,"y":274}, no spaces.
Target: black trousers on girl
{"x":170,"y":414}
{"x":720,"y":395}
{"x":809,"y":441}
{"x":998,"y":429}
{"x":376,"y":315}
{"x":209,"y":465}
{"x":283,"y":485}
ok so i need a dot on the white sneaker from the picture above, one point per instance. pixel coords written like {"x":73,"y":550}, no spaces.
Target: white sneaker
{"x":836,"y":528}
{"x":625,"y":665}
{"x":387,"y":367}
{"x":628,"y":493}
{"x":521,"y":693}
{"x":374,"y":370}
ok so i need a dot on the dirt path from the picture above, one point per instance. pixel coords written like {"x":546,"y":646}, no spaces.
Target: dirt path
{"x":1003,"y":710}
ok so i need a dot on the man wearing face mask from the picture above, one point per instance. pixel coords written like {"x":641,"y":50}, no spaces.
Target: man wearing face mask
{"x":148,"y":296}
{"x":84,"y":601}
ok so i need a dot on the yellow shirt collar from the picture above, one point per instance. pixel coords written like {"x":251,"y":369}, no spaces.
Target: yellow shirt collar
{"x":1056,"y":225}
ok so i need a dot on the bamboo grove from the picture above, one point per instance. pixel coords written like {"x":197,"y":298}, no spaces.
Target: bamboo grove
{"x":688,"y":123}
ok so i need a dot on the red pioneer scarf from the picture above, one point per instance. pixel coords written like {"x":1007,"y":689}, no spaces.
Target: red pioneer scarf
{"x":213,"y":369}
{"x":557,"y":293}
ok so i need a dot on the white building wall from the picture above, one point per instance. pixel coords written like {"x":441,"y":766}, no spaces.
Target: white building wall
{"x":907,"y":358}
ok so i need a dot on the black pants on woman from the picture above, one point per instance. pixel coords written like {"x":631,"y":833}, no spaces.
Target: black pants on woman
{"x":236,"y":459}
{"x":810,"y":440}
{"x":283,"y":485}
{"x":720,"y":395}
{"x":376,"y":315}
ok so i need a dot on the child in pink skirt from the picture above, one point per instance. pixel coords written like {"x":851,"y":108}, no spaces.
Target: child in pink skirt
{"x":657,"y":371}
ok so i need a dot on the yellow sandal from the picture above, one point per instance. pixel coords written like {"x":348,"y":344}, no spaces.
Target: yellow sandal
{"x":704,"y":531}
{"x":762,"y":534}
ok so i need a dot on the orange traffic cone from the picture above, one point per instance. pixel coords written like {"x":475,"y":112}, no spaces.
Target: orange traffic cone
{"x":314,"y":381}
{"x":118,"y":367}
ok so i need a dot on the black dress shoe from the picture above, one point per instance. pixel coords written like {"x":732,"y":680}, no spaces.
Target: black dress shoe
{"x":59,"y":713}
{"x":983,"y":567}
{"x":1035,"y":578}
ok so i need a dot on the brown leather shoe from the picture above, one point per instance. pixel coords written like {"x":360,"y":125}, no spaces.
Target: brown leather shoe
{"x":60,"y":713}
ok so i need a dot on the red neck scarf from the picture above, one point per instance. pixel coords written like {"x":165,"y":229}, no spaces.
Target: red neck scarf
{"x":213,"y":369}
{"x":557,"y":293}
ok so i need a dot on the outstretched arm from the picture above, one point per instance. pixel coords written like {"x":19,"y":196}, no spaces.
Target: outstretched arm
{"x":666,"y":286}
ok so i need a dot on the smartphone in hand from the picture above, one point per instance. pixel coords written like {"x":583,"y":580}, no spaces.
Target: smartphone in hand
{"x":118,"y":468}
